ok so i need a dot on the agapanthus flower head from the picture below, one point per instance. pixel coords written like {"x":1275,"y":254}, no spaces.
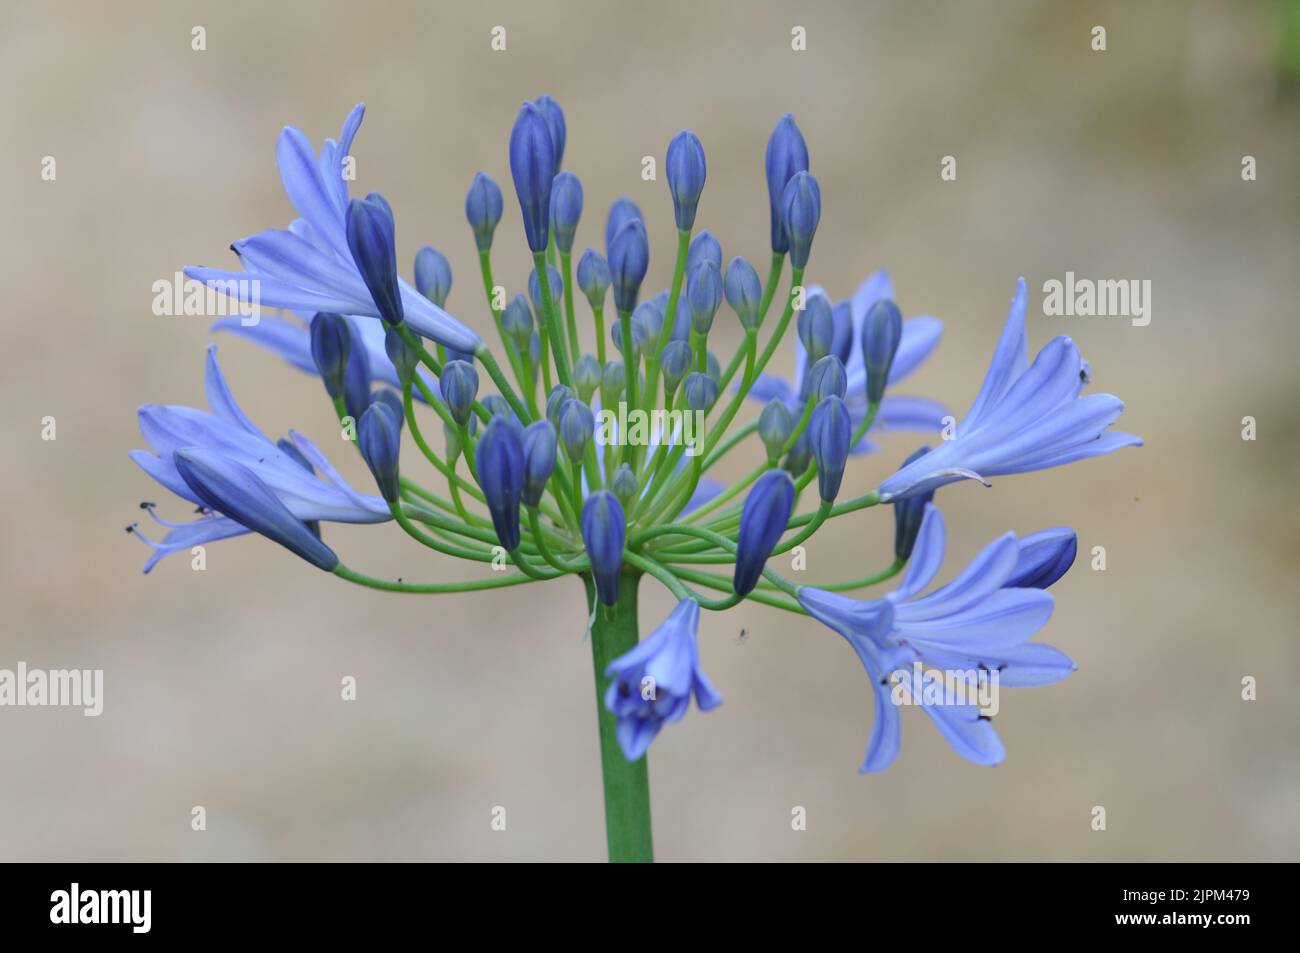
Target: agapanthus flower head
{"x":704,"y":295}
{"x":882,"y":332}
{"x":372,"y":241}
{"x":744,"y":291}
{"x":763,"y":519}
{"x":629,"y":259}
{"x":686,"y":171}
{"x":775,"y":425}
{"x":827,"y":378}
{"x":829,"y":433}
{"x":653,"y":683}
{"x":379,"y":438}
{"x":459,"y":389}
{"x":566,"y":209}
{"x":533,"y":164}
{"x":484,"y":205}
{"x":539,"y":446}
{"x":801,"y":208}
{"x":704,"y":247}
{"x":1024,"y":418}
{"x":787,"y":154}
{"x":232,"y":489}
{"x":593,"y":278}
{"x":976,"y":623}
{"x":433,"y":275}
{"x":517,"y":321}
{"x":500,"y":455}
{"x":331,"y":342}
{"x":604,"y":531}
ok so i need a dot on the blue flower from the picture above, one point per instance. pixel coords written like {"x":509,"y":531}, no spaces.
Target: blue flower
{"x":653,"y":683}
{"x":593,"y":277}
{"x":920,"y":336}
{"x":763,"y":519}
{"x":433,"y":275}
{"x":801,"y":210}
{"x":686,"y":171}
{"x":379,"y":438}
{"x":1023,"y":419}
{"x":228,"y":433}
{"x":787,"y":153}
{"x":309,"y":267}
{"x":566,"y":209}
{"x":533,"y":165}
{"x":500,"y":457}
{"x":604,"y":531}
{"x":484,"y":205}
{"x":978,"y":623}
{"x":829,"y":433}
{"x":629,"y":259}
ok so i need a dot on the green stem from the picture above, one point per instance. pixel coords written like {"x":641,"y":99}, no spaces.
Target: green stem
{"x":627,"y":784}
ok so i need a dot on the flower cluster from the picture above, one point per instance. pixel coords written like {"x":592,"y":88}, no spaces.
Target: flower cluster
{"x":594,"y":461}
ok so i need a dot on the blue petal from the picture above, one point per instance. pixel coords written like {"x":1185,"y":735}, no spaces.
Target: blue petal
{"x":1009,"y":360}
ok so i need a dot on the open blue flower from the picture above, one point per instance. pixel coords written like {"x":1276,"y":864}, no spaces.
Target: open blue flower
{"x":897,"y":412}
{"x":980,"y":621}
{"x":228,"y":433}
{"x":653,"y":683}
{"x":1025,"y":417}
{"x":308,"y":267}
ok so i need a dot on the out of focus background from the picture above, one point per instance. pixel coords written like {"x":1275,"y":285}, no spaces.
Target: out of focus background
{"x":223,"y":686}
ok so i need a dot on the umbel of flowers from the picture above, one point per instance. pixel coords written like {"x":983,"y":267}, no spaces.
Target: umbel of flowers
{"x":596,"y":463}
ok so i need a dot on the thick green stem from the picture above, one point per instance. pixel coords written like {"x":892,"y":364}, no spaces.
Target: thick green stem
{"x":627,"y":785}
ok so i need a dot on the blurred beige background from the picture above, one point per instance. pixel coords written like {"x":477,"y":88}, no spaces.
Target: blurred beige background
{"x":223,"y":686}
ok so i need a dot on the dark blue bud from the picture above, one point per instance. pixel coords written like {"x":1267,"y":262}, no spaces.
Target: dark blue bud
{"x":331,"y":341}
{"x":799,"y":457}
{"x":686,"y":172}
{"x":704,"y":247}
{"x":593,"y":277}
{"x":539,"y":459}
{"x":629,"y":258}
{"x":612,"y":384}
{"x":372,"y":240}
{"x":701,"y":392}
{"x":566,"y":209}
{"x":624,"y":485}
{"x":234,"y":490}
{"x":433,"y":275}
{"x":827,"y":378}
{"x":676,"y":363}
{"x":554,"y":117}
{"x":1045,"y":557}
{"x":801,"y":206}
{"x":763,"y":519}
{"x":842,"y":340}
{"x":604,"y":530}
{"x":555,"y":285}
{"x":816,"y":327}
{"x":621,"y":212}
{"x":787,"y":154}
{"x":500,"y":459}
{"x":744,"y":292}
{"x":908,"y":514}
{"x":704,"y":295}
{"x":829,"y":431}
{"x":774,"y":428}
{"x":390,"y":400}
{"x":403,"y":356}
{"x":517,"y":321}
{"x":881,"y":333}
{"x":587,"y":374}
{"x":356,"y":376}
{"x":577,"y":424}
{"x":559,"y":395}
{"x":379,"y":438}
{"x":533,"y":165}
{"x":483,"y":207}
{"x":459,"y":385}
